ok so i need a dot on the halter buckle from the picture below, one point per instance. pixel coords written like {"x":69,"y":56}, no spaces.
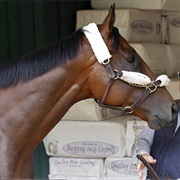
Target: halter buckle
{"x":151,"y":86}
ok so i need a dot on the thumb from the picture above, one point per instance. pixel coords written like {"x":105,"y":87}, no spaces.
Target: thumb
{"x":149,"y":158}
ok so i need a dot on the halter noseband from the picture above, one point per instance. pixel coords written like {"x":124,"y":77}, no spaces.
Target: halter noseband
{"x":103,"y":56}
{"x":115,"y":75}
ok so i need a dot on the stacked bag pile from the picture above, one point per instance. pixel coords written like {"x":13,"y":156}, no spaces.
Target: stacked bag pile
{"x":91,"y":142}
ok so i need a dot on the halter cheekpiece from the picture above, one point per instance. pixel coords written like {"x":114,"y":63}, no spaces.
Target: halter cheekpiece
{"x":132,"y":78}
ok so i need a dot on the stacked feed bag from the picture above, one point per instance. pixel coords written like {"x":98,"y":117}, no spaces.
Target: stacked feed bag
{"x":133,"y":25}
{"x":174,"y":87}
{"x":78,"y":148}
{"x":173,"y":62}
{"x":75,"y":168}
{"x":173,"y":27}
{"x":88,"y":110}
{"x":86,"y":139}
{"x":168,"y":5}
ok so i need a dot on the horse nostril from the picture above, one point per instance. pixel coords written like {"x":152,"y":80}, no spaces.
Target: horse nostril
{"x":174,"y":111}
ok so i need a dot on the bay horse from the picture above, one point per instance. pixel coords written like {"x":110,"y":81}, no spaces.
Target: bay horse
{"x":37,"y":89}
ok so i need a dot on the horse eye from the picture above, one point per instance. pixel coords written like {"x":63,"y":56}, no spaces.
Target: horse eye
{"x":131,"y":58}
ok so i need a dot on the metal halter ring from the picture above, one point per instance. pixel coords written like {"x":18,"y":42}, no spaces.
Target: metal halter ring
{"x":106,"y":61}
{"x":128,"y":109}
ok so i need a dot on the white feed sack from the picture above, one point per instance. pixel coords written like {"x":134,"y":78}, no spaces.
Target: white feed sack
{"x":130,"y":134}
{"x":121,"y":169}
{"x":89,"y":110}
{"x":155,"y":56}
{"x":173,"y":63}
{"x":73,"y":168}
{"x":171,"y":5}
{"x":134,"y":25}
{"x":173,"y":88}
{"x":87,"y":139}
{"x":173,"y":28}
{"x":137,"y":4}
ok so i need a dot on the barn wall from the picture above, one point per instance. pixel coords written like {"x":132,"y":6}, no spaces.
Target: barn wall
{"x":27,"y":25}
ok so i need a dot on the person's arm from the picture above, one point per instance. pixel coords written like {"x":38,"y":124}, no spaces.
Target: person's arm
{"x":145,"y":140}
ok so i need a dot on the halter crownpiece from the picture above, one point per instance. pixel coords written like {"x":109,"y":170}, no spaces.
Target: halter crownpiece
{"x":97,"y":43}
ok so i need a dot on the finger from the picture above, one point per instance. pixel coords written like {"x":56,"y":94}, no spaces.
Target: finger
{"x":140,"y":166}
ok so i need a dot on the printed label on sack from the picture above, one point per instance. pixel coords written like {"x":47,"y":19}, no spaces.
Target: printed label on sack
{"x":53,"y":146}
{"x":125,"y":167}
{"x":175,"y":22}
{"x":91,"y":148}
{"x":142,"y":27}
{"x":75,"y":162}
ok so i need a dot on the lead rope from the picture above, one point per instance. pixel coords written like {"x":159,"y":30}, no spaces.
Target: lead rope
{"x":139,"y":156}
{"x":135,"y":128}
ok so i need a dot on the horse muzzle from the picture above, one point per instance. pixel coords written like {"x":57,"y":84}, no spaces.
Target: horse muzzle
{"x":158,"y":123}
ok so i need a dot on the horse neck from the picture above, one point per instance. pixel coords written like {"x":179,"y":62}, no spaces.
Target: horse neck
{"x":35,"y":107}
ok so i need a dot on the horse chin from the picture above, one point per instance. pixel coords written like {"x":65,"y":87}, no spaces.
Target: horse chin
{"x":157,"y":124}
{"x":153,"y":126}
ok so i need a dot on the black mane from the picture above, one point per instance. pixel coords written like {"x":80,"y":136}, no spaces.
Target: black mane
{"x":44,"y":59}
{"x":40,"y":61}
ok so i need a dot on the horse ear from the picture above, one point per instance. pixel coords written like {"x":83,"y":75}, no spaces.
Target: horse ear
{"x":109,"y":21}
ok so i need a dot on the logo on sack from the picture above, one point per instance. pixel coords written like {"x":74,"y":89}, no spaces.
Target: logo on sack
{"x":175,"y":22}
{"x":142,"y":27}
{"x":53,"y":147}
{"x":123,"y":167}
{"x":90,"y":148}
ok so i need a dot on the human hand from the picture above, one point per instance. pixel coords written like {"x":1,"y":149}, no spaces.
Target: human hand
{"x":140,"y":165}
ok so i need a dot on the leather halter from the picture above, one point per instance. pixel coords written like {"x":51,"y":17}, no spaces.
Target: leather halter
{"x":115,"y":75}
{"x":103,"y":56}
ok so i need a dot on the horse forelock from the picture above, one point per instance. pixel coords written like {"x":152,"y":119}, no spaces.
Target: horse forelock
{"x":40,"y":61}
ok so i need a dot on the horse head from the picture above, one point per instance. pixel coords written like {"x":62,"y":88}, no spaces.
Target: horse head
{"x":120,"y":79}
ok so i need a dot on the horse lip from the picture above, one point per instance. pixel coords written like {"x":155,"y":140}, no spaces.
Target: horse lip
{"x":157,"y":123}
{"x":152,"y":126}
{"x":163,"y":124}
